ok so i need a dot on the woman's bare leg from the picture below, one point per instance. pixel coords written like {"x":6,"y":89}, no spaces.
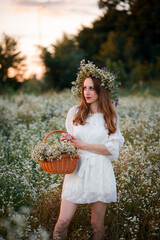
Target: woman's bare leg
{"x":67,"y":211}
{"x":98,"y":210}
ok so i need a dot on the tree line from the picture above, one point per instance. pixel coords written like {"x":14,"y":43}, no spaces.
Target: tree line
{"x":125,"y":39}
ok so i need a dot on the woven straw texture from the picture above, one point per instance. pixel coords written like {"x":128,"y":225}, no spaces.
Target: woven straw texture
{"x":59,"y":166}
{"x":65,"y":165}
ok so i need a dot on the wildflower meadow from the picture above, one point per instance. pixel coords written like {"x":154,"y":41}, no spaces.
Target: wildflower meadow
{"x":30,"y":198}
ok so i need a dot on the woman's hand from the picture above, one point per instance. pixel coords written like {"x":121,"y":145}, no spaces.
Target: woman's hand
{"x":77,"y":143}
{"x":66,"y":136}
{"x":95,"y":148}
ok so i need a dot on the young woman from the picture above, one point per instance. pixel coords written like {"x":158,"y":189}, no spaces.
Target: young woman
{"x":93,"y":128}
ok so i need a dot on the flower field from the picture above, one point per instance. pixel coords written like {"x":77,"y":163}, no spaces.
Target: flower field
{"x":30,"y":198}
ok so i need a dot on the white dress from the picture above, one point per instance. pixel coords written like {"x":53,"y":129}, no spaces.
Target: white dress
{"x":93,"y":180}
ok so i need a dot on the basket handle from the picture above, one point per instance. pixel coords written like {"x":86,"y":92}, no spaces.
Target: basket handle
{"x":52,"y":133}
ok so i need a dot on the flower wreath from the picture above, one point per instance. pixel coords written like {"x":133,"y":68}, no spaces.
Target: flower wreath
{"x":108,"y":79}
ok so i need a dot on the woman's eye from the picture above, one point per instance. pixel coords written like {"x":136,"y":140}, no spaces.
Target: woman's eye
{"x":90,"y":88}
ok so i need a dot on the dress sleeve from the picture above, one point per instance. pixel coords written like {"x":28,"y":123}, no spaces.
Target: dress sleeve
{"x":69,"y":120}
{"x":115,"y":142}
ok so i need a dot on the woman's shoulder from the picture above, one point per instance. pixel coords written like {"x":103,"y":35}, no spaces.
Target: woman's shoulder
{"x":73,"y":110}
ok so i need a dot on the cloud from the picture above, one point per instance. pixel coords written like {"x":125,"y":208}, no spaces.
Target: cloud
{"x":34,"y":3}
{"x":56,"y":7}
{"x":91,"y":3}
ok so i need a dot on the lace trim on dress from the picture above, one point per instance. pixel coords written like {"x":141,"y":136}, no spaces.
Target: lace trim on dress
{"x":113,"y":148}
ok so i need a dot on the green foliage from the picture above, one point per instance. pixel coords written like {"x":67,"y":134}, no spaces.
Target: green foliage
{"x":31,"y":86}
{"x":11,"y":62}
{"x":151,"y":88}
{"x":119,"y":68}
{"x":129,"y":34}
{"x":109,"y":4}
{"x":61,"y":61}
{"x":125,"y":37}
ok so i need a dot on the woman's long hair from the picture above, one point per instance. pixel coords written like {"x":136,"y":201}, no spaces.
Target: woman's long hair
{"x":105,"y":104}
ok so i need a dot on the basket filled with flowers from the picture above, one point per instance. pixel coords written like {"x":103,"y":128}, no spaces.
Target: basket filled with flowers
{"x":56,"y":158}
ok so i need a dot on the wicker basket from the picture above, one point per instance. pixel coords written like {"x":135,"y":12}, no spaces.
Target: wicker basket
{"x":65,"y":165}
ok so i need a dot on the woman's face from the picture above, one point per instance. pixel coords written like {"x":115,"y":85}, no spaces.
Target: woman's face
{"x":89,"y":92}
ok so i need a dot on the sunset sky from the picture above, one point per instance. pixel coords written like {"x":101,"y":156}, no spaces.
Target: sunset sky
{"x":42,"y":22}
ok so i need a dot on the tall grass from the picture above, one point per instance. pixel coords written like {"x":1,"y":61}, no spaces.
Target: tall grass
{"x":30,"y":198}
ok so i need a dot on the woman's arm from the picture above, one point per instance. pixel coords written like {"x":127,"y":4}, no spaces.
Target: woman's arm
{"x":95,"y":148}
